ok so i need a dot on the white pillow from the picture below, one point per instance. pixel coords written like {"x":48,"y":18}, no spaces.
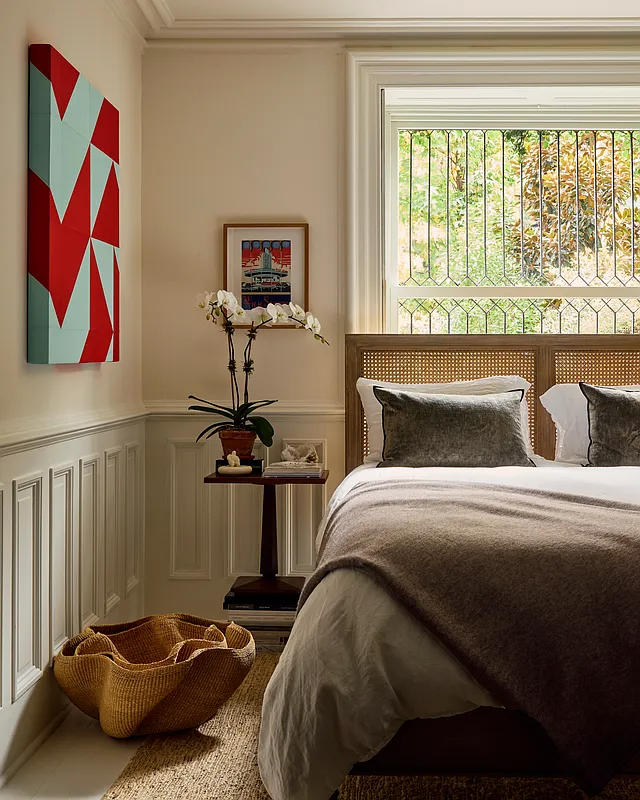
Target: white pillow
{"x":492,"y":385}
{"x":568,"y":408}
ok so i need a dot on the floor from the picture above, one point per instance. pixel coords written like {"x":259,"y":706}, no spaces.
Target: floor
{"x":78,"y":760}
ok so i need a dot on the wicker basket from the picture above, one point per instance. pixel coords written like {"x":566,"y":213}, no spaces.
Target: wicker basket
{"x":156,"y":674}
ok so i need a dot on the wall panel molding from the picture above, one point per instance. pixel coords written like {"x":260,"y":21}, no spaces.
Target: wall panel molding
{"x":31,"y":434}
{"x":27,"y":617}
{"x":243,"y":515}
{"x":113,"y":510}
{"x":89,"y":541}
{"x":134,"y":517}
{"x":189,"y":539}
{"x":163,"y":409}
{"x":62,"y":555}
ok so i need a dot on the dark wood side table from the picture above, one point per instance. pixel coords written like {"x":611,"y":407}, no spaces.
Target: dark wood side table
{"x":268,"y":583}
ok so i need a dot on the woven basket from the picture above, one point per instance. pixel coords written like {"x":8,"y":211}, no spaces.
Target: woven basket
{"x":156,"y":674}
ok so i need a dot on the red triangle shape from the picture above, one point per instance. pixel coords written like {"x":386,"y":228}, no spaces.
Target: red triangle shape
{"x":78,"y":213}
{"x":96,"y":346}
{"x":55,"y":250}
{"x":116,"y":309}
{"x":105,"y":134}
{"x":68,"y":247}
{"x":107,"y":224}
{"x":61,"y":73}
{"x":42,"y":211}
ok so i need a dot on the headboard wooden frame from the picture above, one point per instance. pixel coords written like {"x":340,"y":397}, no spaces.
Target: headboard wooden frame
{"x":605,"y":360}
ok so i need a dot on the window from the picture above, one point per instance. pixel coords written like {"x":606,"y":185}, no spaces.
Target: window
{"x":500,"y":217}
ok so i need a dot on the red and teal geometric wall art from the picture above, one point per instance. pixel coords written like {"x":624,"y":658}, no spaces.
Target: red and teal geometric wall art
{"x":74,"y":230}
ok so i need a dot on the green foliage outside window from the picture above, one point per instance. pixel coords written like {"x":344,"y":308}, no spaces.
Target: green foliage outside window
{"x":518,"y":208}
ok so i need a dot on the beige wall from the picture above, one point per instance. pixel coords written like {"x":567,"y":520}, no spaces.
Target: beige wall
{"x":234,"y":135}
{"x":87,"y":34}
{"x":245,"y":135}
{"x":70,"y":494}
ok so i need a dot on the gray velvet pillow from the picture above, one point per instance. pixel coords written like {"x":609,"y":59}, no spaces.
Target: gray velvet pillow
{"x":614,"y":426}
{"x":443,"y":430}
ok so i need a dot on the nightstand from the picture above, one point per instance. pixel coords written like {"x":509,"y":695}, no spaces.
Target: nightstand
{"x":282,"y":592}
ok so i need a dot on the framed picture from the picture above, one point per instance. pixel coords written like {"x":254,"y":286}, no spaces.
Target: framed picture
{"x":267,"y":263}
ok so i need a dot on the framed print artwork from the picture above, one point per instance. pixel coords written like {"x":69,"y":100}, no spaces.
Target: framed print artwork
{"x":267,"y":263}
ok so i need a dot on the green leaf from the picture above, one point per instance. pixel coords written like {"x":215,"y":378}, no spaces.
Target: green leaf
{"x":228,"y":414}
{"x":247,"y":408}
{"x":213,"y":428}
{"x":208,"y":402}
{"x":263,"y":428}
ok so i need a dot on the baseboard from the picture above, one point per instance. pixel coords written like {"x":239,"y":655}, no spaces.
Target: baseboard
{"x":22,"y":759}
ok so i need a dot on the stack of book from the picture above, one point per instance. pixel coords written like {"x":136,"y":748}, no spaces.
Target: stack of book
{"x":269,"y":614}
{"x":296,"y":469}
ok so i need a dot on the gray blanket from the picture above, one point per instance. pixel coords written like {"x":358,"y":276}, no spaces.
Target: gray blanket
{"x":537,"y":594}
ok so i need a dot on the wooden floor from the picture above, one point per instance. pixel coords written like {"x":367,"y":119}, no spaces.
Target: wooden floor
{"x":78,"y":760}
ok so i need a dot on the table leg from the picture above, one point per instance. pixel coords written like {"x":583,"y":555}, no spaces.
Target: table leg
{"x":269,"y":545}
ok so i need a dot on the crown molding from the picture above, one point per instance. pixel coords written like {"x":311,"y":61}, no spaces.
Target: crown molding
{"x":246,"y":46}
{"x":157,"y":13}
{"x":152,"y":21}
{"x":131,"y":20}
{"x":340,"y":28}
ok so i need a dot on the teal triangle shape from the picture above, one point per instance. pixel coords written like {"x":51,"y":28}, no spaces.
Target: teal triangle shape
{"x":77,"y":114}
{"x":41,"y":97}
{"x":100,"y":167}
{"x":66,"y":346}
{"x":41,"y":313}
{"x":77,"y":317}
{"x":95,"y":104}
{"x":73,"y":149}
{"x":104,"y":259}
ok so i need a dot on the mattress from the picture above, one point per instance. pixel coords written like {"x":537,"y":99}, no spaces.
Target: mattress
{"x":358,"y":665}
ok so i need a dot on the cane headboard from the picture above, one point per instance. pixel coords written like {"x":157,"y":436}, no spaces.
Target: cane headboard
{"x":542,"y":360}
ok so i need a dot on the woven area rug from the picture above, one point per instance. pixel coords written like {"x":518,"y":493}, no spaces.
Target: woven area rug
{"x":218,"y":762}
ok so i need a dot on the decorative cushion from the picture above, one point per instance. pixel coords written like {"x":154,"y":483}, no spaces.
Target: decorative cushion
{"x":614,"y":426}
{"x":568,"y":408}
{"x":491,"y":385}
{"x":429,"y":430}
{"x":153,"y":675}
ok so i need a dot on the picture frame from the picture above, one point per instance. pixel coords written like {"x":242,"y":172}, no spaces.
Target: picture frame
{"x":267,"y":262}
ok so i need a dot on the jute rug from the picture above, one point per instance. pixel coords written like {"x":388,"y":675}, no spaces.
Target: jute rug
{"x":218,"y":762}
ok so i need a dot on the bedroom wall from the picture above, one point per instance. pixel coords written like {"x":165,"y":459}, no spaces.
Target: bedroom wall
{"x":234,"y":133}
{"x":71,"y":437}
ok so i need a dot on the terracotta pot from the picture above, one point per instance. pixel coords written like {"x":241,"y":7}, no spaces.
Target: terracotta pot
{"x":239,"y":440}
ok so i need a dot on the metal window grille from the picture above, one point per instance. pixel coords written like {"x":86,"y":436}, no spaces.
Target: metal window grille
{"x":523,"y":210}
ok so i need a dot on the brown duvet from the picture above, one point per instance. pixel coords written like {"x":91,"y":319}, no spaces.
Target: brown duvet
{"x":537,"y":594}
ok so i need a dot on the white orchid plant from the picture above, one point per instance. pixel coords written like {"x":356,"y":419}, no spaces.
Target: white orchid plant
{"x":222,"y":308}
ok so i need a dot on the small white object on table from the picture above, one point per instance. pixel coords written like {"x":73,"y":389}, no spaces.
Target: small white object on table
{"x":235,"y":467}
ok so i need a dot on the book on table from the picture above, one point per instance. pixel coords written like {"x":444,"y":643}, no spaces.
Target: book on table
{"x":263,"y":619}
{"x":298,"y":469}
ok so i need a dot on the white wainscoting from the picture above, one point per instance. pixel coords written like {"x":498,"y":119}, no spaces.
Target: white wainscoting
{"x":71,"y":554}
{"x":200,"y":537}
{"x":29,"y":521}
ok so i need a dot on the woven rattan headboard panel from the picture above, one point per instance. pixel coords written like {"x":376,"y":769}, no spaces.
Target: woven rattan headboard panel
{"x":542,"y":360}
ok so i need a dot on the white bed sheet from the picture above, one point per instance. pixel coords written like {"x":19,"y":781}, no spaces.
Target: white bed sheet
{"x":358,"y":665}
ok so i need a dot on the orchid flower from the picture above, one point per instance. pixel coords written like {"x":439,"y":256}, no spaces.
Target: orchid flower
{"x":240,"y":315}
{"x":228,"y":301}
{"x":225,"y":305}
{"x":313,"y":324}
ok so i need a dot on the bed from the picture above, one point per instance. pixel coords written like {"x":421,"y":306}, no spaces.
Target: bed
{"x":462,"y":729}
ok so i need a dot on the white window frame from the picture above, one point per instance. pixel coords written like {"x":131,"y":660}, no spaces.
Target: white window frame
{"x":370,"y":294}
